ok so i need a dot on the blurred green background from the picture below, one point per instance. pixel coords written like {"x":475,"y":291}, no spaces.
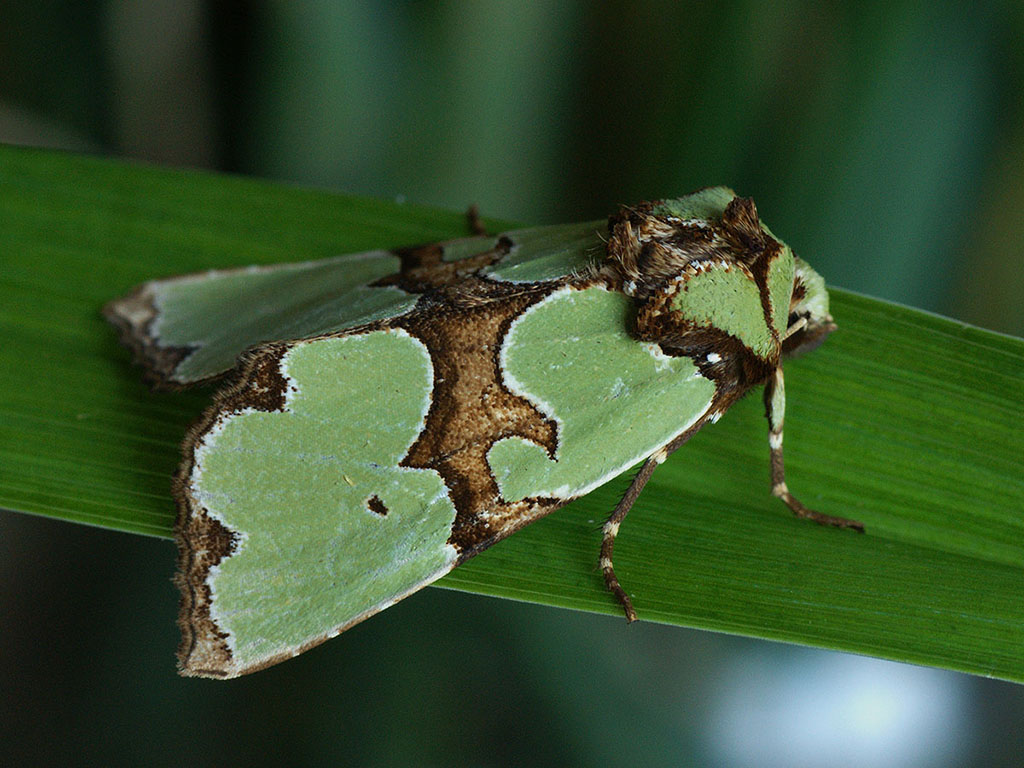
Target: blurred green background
{"x":883,"y":140}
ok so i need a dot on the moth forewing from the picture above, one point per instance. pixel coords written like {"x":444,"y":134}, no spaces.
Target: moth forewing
{"x":402,"y":411}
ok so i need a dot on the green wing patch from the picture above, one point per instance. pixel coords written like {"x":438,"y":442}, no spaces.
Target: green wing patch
{"x":550,"y":253}
{"x":318,"y":485}
{"x":615,"y":401}
{"x":192,"y":328}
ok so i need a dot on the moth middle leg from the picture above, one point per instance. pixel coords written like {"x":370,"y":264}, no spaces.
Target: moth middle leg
{"x":611,"y":527}
{"x":611,"y":530}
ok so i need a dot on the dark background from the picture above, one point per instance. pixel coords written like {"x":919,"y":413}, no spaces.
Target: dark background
{"x":884,"y":141}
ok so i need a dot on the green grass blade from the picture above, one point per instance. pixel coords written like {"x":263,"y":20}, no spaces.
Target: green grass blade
{"x":906,"y":421}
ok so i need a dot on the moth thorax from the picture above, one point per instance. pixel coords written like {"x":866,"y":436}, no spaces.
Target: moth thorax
{"x":721,"y":353}
{"x":700,"y":277}
{"x":645,"y":252}
{"x":649,"y":248}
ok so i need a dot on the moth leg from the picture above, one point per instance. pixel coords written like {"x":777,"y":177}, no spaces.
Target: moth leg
{"x":775,"y":410}
{"x":611,"y":527}
{"x":611,"y":530}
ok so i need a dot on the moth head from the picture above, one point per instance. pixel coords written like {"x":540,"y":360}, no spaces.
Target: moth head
{"x":809,"y":320}
{"x":708,"y":276}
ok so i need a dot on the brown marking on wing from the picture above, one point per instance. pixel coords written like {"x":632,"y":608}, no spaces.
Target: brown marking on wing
{"x":202,"y":543}
{"x":471,"y":408}
{"x":133,"y":316}
{"x":462,"y":321}
{"x":423,"y":267}
{"x":202,"y":540}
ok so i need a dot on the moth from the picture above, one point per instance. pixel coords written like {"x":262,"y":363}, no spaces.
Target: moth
{"x":391,"y":414}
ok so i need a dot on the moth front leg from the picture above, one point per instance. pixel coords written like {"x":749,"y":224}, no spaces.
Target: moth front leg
{"x":775,"y":410}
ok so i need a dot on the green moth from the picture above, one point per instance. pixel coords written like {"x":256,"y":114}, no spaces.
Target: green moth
{"x":391,"y":414}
